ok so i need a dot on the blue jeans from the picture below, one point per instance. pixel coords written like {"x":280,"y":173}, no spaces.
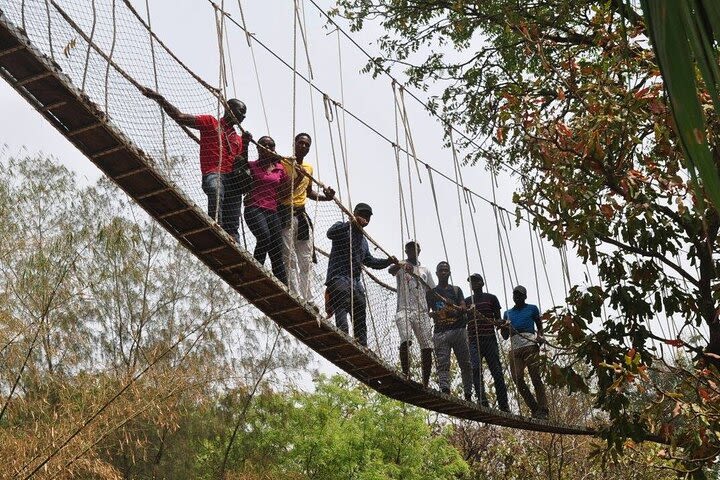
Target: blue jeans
{"x":265,"y":225}
{"x":232,"y":206}
{"x":485,"y":346}
{"x":347,"y":295}
{"x":221,"y":190}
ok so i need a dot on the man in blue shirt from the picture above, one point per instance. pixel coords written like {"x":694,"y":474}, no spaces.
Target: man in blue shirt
{"x":348,"y":254}
{"x":447,"y":308}
{"x":525,"y":349}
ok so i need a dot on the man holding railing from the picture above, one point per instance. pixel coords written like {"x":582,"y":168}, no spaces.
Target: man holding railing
{"x":413,"y":280}
{"x":447,"y":305}
{"x":222,"y":150}
{"x":483,"y":317}
{"x":297,"y":229}
{"x":348,"y":254}
{"x":525,"y":343}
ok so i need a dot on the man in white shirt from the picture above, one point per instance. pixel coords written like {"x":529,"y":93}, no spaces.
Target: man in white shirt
{"x":413,"y":280}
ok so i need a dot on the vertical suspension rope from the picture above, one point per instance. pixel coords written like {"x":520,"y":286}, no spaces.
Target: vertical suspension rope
{"x":437,"y":212}
{"x":499,"y":238}
{"x":49,"y":28}
{"x":112,"y":51}
{"x":229,"y":61}
{"x":343,"y":155}
{"x":92,"y":37}
{"x":543,"y":260}
{"x":312,"y":107}
{"x":342,"y":101}
{"x":477,"y":242}
{"x":456,"y":165}
{"x":222,"y":84}
{"x":294,"y":69}
{"x":248,"y":38}
{"x":509,"y":245}
{"x":406,"y":125}
{"x":535,"y":272}
{"x":156,"y":82}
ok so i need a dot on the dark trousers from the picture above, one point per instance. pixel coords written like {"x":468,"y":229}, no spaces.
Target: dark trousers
{"x":265,"y":225}
{"x":348,"y":295}
{"x":486,"y":346}
{"x":222,"y":191}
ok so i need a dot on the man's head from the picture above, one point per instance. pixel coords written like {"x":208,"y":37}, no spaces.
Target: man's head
{"x":412,"y":250}
{"x":362,"y":213}
{"x":443,"y":271}
{"x":476,"y":282}
{"x":265,"y":143}
{"x":235,"y":111}
{"x":519,"y":295}
{"x":302,"y":145}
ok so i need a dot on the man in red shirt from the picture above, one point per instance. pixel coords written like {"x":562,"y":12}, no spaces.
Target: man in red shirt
{"x":220,"y":149}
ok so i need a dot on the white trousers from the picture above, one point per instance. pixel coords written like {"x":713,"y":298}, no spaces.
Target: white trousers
{"x":419,"y":323}
{"x":297,"y":257}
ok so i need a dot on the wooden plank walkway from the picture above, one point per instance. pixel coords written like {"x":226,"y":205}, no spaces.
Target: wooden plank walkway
{"x":52,"y":93}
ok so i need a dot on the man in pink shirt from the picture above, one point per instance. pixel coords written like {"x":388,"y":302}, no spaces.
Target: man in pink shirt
{"x":222,"y":150}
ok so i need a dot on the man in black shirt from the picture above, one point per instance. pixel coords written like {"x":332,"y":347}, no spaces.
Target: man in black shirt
{"x":447,"y":309}
{"x":483,"y":342}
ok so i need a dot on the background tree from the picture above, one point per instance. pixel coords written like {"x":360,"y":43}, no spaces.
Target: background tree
{"x":572,"y":97}
{"x":114,"y":339}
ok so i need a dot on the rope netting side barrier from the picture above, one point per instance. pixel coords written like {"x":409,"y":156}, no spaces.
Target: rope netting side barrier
{"x":277,"y":208}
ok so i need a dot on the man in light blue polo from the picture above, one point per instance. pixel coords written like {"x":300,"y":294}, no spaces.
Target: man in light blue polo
{"x":525,"y":344}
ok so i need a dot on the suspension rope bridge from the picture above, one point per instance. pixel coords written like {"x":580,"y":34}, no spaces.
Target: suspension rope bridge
{"x":82,"y":75}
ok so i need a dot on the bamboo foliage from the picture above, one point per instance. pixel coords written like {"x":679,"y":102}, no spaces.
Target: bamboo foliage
{"x":684,"y":36}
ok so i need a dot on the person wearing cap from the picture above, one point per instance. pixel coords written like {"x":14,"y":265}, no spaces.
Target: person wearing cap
{"x":413,"y":280}
{"x":483,"y":342}
{"x":447,"y":309}
{"x":297,"y":229}
{"x":349,"y":252}
{"x":525,"y":342}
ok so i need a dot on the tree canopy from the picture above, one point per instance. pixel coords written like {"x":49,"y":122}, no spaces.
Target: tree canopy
{"x":572,"y":101}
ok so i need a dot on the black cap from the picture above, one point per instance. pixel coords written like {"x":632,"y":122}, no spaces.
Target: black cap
{"x":475,"y":276}
{"x":363,"y":208}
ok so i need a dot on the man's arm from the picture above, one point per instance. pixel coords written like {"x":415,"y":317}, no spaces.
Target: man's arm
{"x":327,"y":195}
{"x":505,"y":329}
{"x":538,"y":322}
{"x":170,"y":109}
{"x":496,"y":309}
{"x":394,"y":269}
{"x":379,"y":263}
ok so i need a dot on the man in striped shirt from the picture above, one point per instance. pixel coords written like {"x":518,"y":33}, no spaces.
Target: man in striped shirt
{"x":483,"y":342}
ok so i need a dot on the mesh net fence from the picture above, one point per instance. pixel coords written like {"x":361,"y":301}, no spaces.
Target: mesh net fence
{"x":108,"y":51}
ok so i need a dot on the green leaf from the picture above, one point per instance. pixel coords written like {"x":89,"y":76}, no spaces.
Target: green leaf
{"x":670,"y":40}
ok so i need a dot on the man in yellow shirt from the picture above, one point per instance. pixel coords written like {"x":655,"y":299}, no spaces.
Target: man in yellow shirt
{"x":297,"y":235}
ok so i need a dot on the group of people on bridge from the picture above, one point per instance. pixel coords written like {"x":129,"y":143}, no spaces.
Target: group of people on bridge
{"x":441,"y":318}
